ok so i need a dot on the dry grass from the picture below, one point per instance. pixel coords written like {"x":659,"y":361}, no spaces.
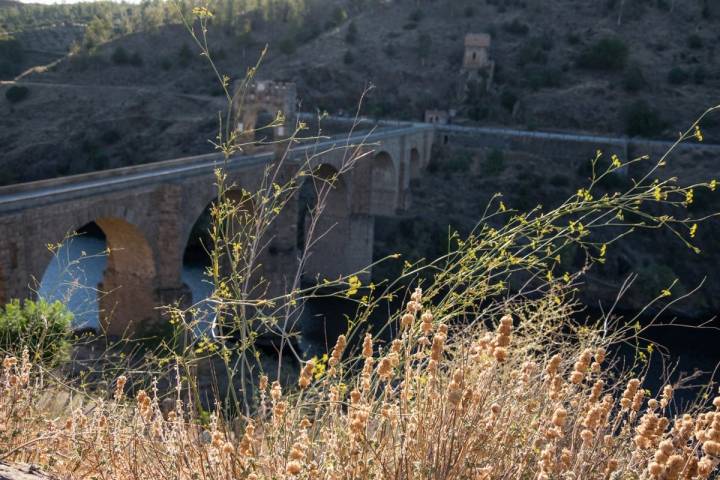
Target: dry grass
{"x":525,"y":399}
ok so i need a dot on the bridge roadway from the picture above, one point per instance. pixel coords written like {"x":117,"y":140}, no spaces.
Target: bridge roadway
{"x":147,"y":214}
{"x":19,"y":196}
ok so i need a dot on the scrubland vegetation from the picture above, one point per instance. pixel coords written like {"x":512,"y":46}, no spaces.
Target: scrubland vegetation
{"x":484,"y":366}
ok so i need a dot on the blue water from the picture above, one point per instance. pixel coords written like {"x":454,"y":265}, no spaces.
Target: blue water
{"x":74,"y":273}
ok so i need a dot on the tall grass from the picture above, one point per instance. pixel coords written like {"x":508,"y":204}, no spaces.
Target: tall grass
{"x":480,"y":371}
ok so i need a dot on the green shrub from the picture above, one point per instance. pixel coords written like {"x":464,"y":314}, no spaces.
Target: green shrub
{"x":633,"y":79}
{"x":352,"y":32}
{"x":494,"y":163}
{"x":508,"y":100}
{"x":17,"y":93}
{"x":695,"y":41}
{"x":120,"y":56}
{"x":287,"y":45}
{"x":136,"y":60}
{"x":516,"y":27}
{"x":678,"y":76}
{"x":44,"y":328}
{"x":607,"y":54}
{"x":642,"y":120}
{"x":185,"y":55}
{"x":699,"y":75}
{"x":417,"y":15}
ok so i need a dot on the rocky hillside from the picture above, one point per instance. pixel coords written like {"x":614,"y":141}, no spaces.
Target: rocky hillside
{"x":647,"y":69}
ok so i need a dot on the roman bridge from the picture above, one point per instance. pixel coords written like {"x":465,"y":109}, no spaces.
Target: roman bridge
{"x":147,"y":213}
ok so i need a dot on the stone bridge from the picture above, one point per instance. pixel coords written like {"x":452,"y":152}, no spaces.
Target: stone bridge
{"x":147,"y":213}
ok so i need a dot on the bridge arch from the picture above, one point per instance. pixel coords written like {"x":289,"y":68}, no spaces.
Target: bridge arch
{"x":385,"y":184}
{"x":106,"y":271}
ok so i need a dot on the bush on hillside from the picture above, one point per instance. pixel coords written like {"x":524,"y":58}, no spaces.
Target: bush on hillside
{"x":516,"y":27}
{"x":633,"y":79}
{"x":678,"y":76}
{"x":120,"y":56}
{"x":643,"y":120}
{"x":41,"y":327}
{"x":17,"y":93}
{"x":608,"y":54}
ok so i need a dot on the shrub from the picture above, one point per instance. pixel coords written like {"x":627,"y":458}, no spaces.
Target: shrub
{"x":17,"y":93}
{"x":494,"y":163}
{"x":699,"y":75}
{"x":136,"y":60}
{"x":352,"y":32}
{"x":633,"y":78}
{"x":642,"y":120}
{"x":287,"y":45}
{"x":42,"y":327}
{"x":348,"y":58}
{"x":606,"y":54}
{"x":185,"y":55}
{"x":469,"y":11}
{"x":543,"y":77}
{"x":390,"y":50}
{"x":531,"y":52}
{"x":516,"y":27}
{"x":120,"y":56}
{"x":678,"y":76}
{"x":695,"y":41}
{"x":424,"y":45}
{"x":416,"y":15}
{"x":508,"y":100}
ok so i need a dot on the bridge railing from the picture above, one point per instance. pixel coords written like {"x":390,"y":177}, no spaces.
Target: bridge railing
{"x":14,"y":195}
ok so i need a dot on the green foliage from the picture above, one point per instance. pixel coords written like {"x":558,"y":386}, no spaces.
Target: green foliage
{"x":699,"y":75}
{"x":185,"y":55}
{"x":287,"y":45}
{"x":120,"y":56}
{"x":424,"y":45}
{"x":17,"y":93}
{"x":390,"y":50}
{"x":508,"y":99}
{"x":678,"y":76}
{"x":352,"y":33}
{"x":416,"y":15}
{"x":695,"y":41}
{"x":494,"y":163}
{"x":516,"y":27}
{"x":633,"y":79}
{"x":642,"y":120}
{"x":543,"y":77}
{"x":42,"y":327}
{"x":609,"y":54}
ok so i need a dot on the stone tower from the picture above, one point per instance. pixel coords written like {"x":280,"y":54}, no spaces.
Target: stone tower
{"x":259,"y":106}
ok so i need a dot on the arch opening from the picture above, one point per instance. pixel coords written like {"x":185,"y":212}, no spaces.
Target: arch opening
{"x":197,"y":261}
{"x":385,"y":185}
{"x":105,"y":273}
{"x":264,"y":133}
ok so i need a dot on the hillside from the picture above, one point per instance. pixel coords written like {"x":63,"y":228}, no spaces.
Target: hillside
{"x":550,"y":74}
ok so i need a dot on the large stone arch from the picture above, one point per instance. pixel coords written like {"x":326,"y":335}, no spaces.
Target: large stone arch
{"x":128,"y":292}
{"x":385,"y":185}
{"x":327,"y":242}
